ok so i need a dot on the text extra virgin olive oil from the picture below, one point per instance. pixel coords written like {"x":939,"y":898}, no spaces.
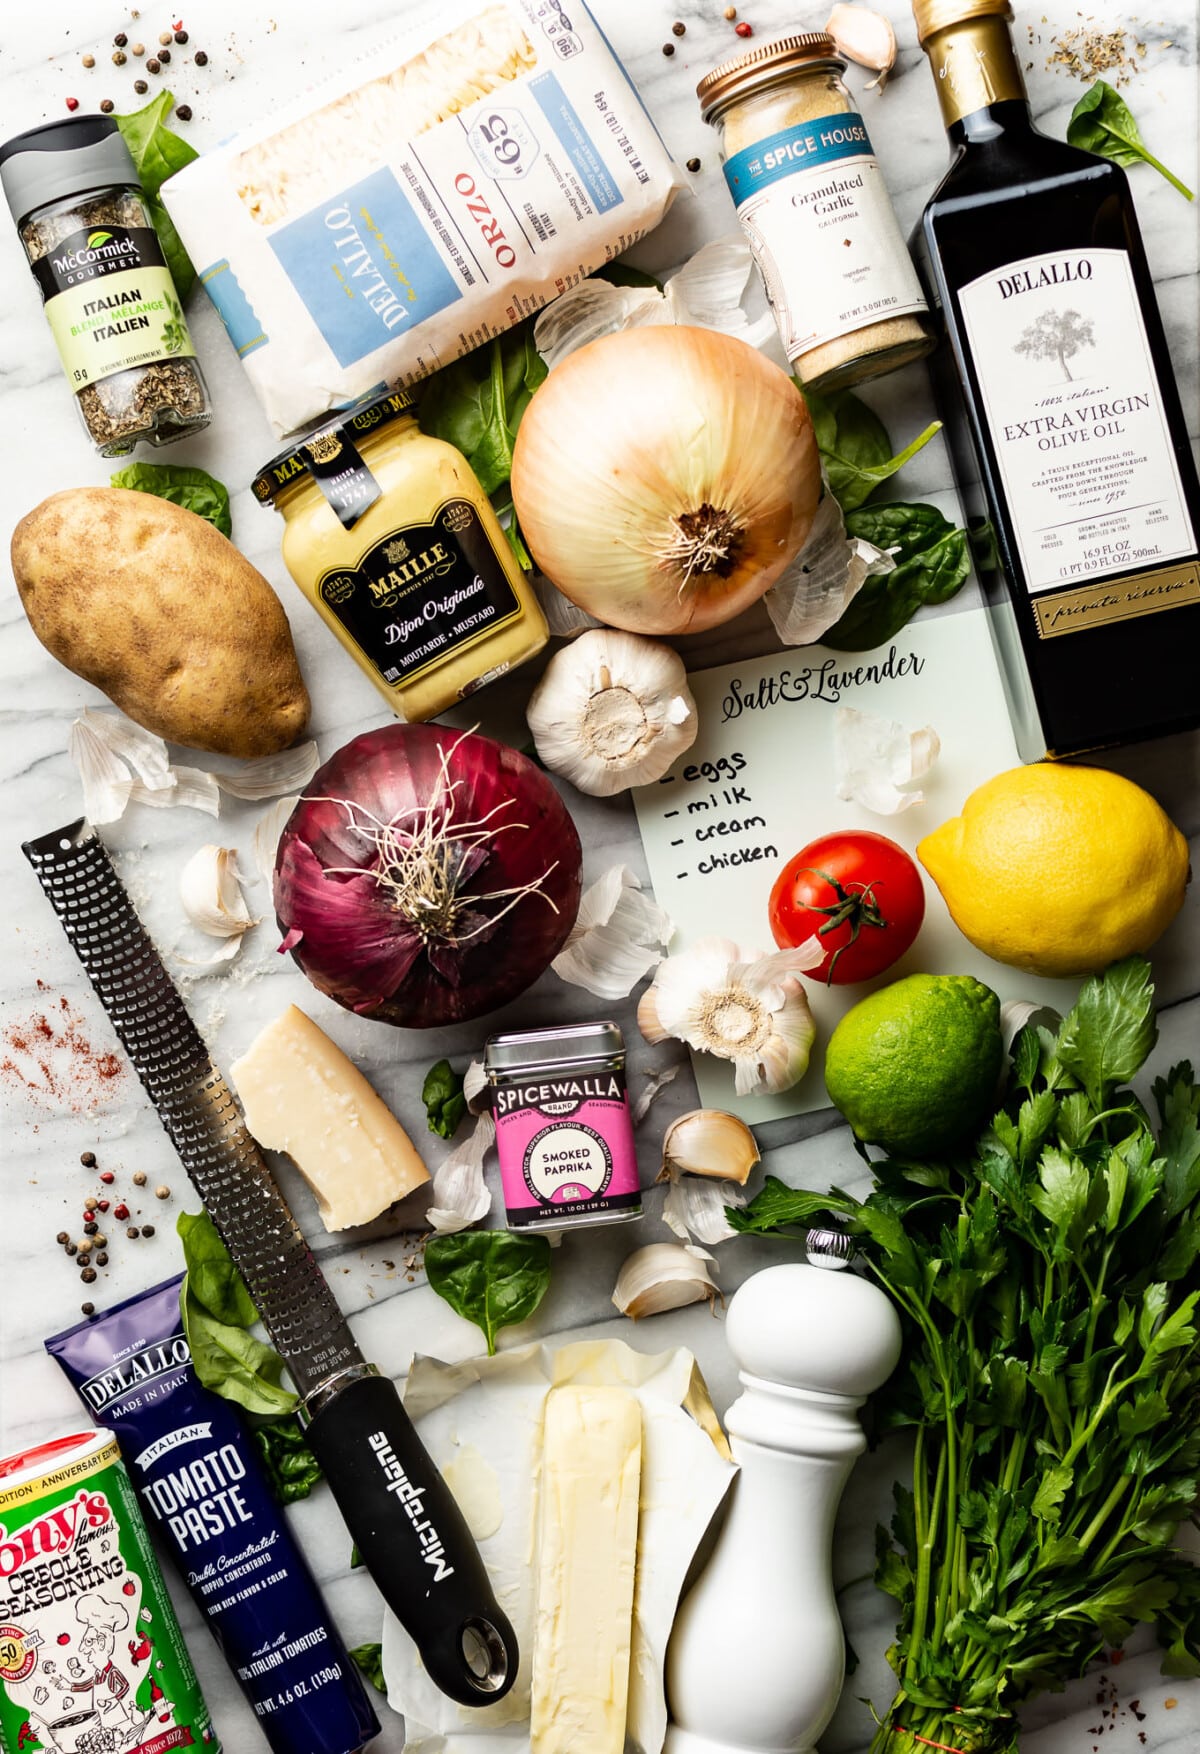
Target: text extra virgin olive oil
{"x":1068,"y":435}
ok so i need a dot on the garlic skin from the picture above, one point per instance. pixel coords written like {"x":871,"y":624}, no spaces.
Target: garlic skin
{"x":618,"y":937}
{"x":876,"y":761}
{"x":696,"y":1208}
{"x":709,"y":1142}
{"x":612,"y":710}
{"x":728,"y":1002}
{"x":866,"y":38}
{"x":663,"y":1275}
{"x":211,"y":893}
{"x":461,"y":1196}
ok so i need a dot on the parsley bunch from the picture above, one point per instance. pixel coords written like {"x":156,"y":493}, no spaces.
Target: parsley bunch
{"x":1048,"y":1285}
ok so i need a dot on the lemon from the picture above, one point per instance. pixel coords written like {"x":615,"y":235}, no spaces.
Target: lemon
{"x":915,"y":1066}
{"x":1059,"y":870}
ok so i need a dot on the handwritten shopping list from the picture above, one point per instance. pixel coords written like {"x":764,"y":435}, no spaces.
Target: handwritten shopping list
{"x":759,"y":783}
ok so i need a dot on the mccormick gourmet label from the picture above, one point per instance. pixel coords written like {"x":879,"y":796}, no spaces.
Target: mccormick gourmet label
{"x":92,"y":1660}
{"x":563,"y":1129}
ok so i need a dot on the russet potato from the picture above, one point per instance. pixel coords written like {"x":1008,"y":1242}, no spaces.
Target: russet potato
{"x":155,"y":607}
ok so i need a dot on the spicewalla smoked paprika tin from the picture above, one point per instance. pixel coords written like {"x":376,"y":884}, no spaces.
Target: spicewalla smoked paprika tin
{"x":563,"y":1129}
{"x":92,"y":1660}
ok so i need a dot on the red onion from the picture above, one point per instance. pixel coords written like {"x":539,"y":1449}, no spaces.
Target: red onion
{"x":429,"y":875}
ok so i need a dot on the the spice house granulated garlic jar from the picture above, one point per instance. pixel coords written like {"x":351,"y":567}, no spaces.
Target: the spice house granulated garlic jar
{"x":812,"y":201}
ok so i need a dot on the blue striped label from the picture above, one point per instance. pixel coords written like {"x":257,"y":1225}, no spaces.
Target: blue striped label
{"x":808,"y":146}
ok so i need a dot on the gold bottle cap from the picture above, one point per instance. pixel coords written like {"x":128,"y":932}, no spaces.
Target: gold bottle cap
{"x":934,"y":15}
{"x":807,"y":52}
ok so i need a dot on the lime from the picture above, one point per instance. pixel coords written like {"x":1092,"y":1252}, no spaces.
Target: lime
{"x":914,"y":1067}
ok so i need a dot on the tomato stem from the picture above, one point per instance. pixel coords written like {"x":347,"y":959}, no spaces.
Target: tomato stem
{"x":855,"y":906}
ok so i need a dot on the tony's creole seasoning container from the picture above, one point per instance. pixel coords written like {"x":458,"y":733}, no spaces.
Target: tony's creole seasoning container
{"x":109,"y":297}
{"x":91,"y":1655}
{"x":813,"y":204}
{"x":395,"y":544}
{"x":563,"y":1129}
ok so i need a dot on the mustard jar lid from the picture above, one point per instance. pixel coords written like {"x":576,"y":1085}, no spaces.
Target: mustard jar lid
{"x":328,"y":454}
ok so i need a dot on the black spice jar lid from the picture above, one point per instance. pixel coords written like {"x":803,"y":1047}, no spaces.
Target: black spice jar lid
{"x":314,"y":451}
{"x":73,"y":156}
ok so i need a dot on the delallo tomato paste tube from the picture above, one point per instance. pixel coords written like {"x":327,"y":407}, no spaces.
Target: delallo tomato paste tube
{"x":197,"y":1470}
{"x":92,"y":1660}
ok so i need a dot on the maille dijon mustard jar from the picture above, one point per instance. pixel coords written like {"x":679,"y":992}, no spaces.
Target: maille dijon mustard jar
{"x":813,"y":204}
{"x":394,"y":542}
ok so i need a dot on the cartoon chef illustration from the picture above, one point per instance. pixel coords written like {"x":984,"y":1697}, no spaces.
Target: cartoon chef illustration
{"x":112,"y":1696}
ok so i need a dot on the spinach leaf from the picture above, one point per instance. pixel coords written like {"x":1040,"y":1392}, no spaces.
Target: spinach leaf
{"x":369,"y":1658}
{"x":855,"y":447}
{"x":777,"y":1207}
{"x":1102,"y":122}
{"x":442,"y":1094}
{"x":495,"y":1278}
{"x":476,"y":404}
{"x":194,"y":489}
{"x":212,"y":1279}
{"x":933,"y":562}
{"x":289,"y":1464}
{"x":233,"y":1363}
{"x":157,"y":153}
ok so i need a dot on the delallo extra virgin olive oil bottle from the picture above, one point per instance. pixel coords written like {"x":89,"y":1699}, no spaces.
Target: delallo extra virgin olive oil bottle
{"x":1065,"y":423}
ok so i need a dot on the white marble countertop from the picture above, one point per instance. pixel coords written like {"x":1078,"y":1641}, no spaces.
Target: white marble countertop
{"x":257,"y":57}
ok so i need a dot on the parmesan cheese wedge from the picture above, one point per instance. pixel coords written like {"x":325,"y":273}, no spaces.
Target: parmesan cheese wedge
{"x":587,"y":1558}
{"x":303,"y":1096}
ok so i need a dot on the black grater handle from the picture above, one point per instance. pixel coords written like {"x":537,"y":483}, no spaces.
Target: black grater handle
{"x":413,"y":1539}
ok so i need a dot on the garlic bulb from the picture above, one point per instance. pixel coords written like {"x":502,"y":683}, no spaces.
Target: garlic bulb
{"x":612,"y":711}
{"x":749,"y":1009}
{"x":210,"y":889}
{"x":709,"y":1142}
{"x":663,"y":1275}
{"x":866,"y":38}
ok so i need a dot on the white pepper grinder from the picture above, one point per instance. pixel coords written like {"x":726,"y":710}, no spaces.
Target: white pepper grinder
{"x":757,"y":1657}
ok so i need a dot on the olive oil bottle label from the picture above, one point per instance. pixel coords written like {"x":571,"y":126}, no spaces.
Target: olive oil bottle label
{"x":111,"y":303}
{"x":1074,"y":416}
{"x":813,"y":204}
{"x":422,"y":593}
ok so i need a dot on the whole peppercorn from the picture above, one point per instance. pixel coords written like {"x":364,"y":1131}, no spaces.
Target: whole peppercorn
{"x":91,"y":1227}
{"x":164,"y":37}
{"x":679,"y":29}
{"x":668,"y":48}
{"x":181,"y":37}
{"x":184,"y":112}
{"x":70,"y":1248}
{"x":137,"y":49}
{"x":121,"y":1211}
{"x":139,"y":1178}
{"x":731,"y":12}
{"x":140,"y":86}
{"x":101,"y":1259}
{"x":200,"y":58}
{"x":120,"y":40}
{"x":153,"y":65}
{"x":88,"y":1275}
{"x":119,"y":57}
{"x":164,"y":56}
{"x":102,"y":1205}
{"x":744,"y":30}
{"x":63,"y":1238}
{"x":106,"y":1176}
{"x":72,"y":103}
{"x":147,"y":1230}
{"x":693,"y":164}
{"x":88,"y":1308}
{"x":162,"y":1192}
{"x":99,"y":1241}
{"x":88,"y":1159}
{"x":89,"y":60}
{"x":133,"y":1231}
{"x":84,"y":1246}
{"x":90,"y":1202}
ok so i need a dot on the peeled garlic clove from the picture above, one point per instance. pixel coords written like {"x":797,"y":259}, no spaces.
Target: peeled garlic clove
{"x":460,"y":1194}
{"x":864,"y":37}
{"x":663,"y":1275}
{"x":612,"y":710}
{"x":709,"y":1142}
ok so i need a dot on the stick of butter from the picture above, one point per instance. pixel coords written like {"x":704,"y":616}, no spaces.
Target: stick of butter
{"x":587,"y":1556}
{"x":303,"y":1096}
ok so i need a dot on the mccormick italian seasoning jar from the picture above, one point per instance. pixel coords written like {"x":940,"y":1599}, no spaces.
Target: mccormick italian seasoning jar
{"x":813,"y":204}
{"x":395,"y":544}
{"x":109,"y":297}
{"x":91,"y":1655}
{"x":563,"y":1129}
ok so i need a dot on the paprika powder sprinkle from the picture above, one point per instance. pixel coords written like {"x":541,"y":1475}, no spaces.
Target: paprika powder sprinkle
{"x":50,"y":1059}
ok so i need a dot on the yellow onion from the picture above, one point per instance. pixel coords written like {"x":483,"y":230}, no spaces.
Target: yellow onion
{"x":664,"y":477}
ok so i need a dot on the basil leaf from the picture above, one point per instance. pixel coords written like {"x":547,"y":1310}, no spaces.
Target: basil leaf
{"x":477,"y":403}
{"x":442,"y":1094}
{"x":369,"y":1658}
{"x":1102,"y":122}
{"x":233,"y":1363}
{"x":494,"y":1278}
{"x":212,"y":1279}
{"x":194,"y":489}
{"x":855,"y":447}
{"x":934,"y":562}
{"x":157,"y":153}
{"x":289,"y":1464}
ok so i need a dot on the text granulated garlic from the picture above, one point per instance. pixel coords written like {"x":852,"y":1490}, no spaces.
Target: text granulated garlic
{"x":812,"y":201}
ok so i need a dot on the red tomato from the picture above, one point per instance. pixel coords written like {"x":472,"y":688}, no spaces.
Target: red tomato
{"x":860,"y":893}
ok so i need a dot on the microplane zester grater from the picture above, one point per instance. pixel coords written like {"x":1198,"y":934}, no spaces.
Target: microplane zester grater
{"x":409,"y":1531}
